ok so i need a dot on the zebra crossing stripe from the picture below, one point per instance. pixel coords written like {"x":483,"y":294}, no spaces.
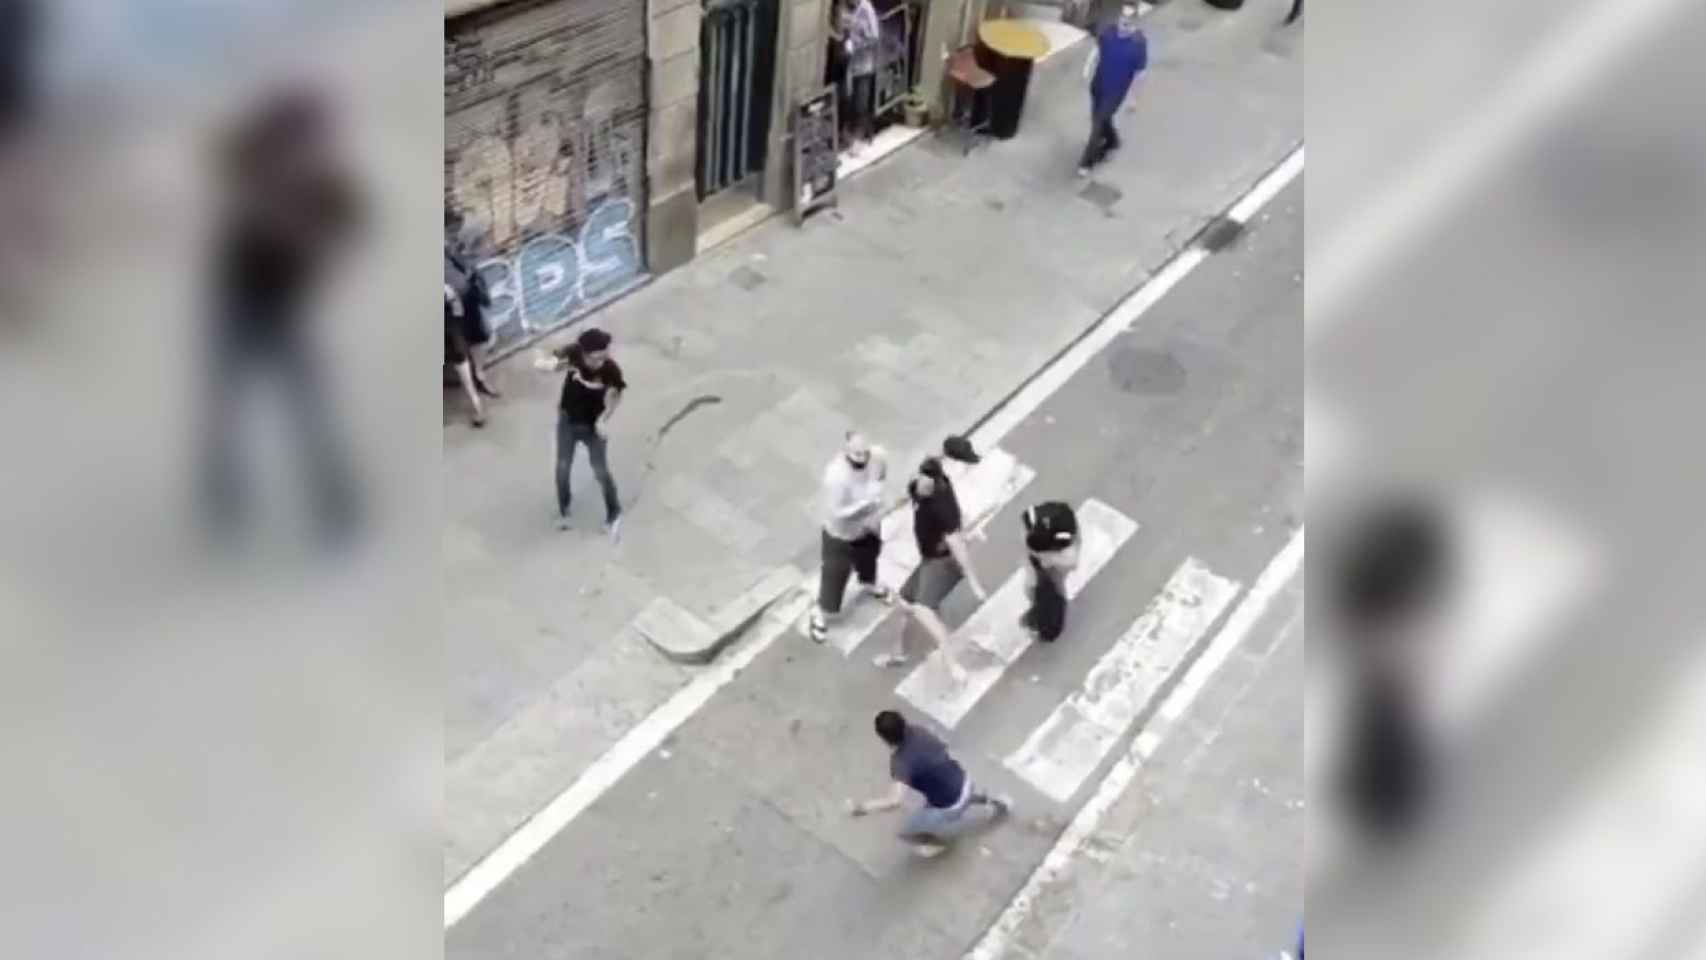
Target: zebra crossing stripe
{"x":992,"y":640}
{"x":1067,"y":748}
{"x":982,"y":490}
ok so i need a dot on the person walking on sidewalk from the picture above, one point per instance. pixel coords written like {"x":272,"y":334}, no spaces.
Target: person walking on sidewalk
{"x":920,"y":763}
{"x":1120,"y":54}
{"x":937,"y":526}
{"x":592,"y":391}
{"x":852,"y":528}
{"x":465,"y":300}
{"x":864,"y":32}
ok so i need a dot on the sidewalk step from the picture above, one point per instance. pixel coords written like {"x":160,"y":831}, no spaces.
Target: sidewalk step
{"x":685,"y":638}
{"x":1062,"y":753}
{"x":992,"y":640}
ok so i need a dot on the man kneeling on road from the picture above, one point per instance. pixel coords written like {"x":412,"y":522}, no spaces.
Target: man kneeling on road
{"x":852,"y":528}
{"x":920,"y":762}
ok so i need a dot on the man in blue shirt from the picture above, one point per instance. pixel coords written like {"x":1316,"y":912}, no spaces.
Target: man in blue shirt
{"x":920,"y":762}
{"x":1120,"y":54}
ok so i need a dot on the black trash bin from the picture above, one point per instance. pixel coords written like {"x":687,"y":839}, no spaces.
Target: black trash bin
{"x":1008,"y":50}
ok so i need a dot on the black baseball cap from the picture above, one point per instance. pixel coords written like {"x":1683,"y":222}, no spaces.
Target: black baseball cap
{"x":957,"y":447}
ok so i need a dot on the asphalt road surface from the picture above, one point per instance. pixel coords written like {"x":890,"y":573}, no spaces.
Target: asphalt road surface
{"x":1182,"y":442}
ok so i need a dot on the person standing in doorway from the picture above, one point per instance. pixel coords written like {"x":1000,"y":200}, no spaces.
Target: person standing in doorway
{"x":852,"y":528}
{"x":943,"y":558}
{"x":1120,"y":54}
{"x":863,"y":34}
{"x":592,"y":391}
{"x":920,"y":763}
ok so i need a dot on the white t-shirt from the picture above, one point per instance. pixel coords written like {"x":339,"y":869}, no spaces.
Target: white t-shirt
{"x":852,"y":498}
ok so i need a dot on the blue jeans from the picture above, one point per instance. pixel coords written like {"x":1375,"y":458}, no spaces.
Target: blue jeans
{"x":930,"y":824}
{"x":571,"y":435}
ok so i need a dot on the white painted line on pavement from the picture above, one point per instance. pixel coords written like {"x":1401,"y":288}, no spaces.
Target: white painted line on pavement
{"x":495,"y":867}
{"x":1068,"y":747}
{"x":520,"y":846}
{"x":983,"y":490}
{"x":992,"y":640}
{"x":1036,"y":392}
{"x":1268,"y":188}
{"x":996,"y":940}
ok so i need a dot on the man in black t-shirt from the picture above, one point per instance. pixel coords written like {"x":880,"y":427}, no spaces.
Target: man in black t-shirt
{"x":943,"y":559}
{"x":592,"y":390}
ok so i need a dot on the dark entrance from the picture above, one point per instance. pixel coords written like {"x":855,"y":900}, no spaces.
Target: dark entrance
{"x":737,"y":71}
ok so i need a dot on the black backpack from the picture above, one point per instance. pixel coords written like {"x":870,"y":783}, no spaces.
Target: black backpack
{"x":1050,"y":526}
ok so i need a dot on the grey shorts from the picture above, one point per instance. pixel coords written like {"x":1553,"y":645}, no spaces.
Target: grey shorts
{"x":932,"y":581}
{"x":930,"y":824}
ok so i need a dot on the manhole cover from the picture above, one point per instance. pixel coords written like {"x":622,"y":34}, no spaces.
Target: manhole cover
{"x":748,"y":279}
{"x":1101,"y":195}
{"x":1146,"y":372}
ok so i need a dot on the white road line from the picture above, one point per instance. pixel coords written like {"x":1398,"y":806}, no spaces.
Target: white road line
{"x":1268,"y":188}
{"x":1068,"y":747}
{"x":983,"y":491}
{"x":1035,"y":393}
{"x":992,"y":640}
{"x":521,"y":845}
{"x":996,"y":940}
{"x":491,"y":871}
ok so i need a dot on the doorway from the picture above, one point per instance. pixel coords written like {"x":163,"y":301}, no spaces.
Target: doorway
{"x":737,"y":73}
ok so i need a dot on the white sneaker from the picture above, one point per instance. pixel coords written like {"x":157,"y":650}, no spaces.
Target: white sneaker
{"x":614,"y":529}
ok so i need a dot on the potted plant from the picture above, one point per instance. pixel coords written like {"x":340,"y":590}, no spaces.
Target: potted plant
{"x":914,"y":108}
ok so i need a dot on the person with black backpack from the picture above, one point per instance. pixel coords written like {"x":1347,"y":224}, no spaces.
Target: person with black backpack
{"x":1051,"y":545}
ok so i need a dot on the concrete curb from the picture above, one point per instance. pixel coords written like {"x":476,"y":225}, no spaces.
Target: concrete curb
{"x":685,"y":638}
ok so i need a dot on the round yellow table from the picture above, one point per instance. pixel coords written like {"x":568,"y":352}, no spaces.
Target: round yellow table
{"x":1013,"y":38}
{"x":1008,"y":49}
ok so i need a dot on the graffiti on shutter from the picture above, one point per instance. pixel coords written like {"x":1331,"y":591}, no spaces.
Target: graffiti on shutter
{"x":545,"y":161}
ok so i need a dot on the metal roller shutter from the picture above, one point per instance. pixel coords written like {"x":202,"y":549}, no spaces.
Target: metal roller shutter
{"x":544,"y":135}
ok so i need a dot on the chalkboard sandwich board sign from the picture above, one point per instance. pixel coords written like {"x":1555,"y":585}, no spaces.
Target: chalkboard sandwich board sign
{"x":816,"y":153}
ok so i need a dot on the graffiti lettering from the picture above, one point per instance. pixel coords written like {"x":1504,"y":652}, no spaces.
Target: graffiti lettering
{"x":550,"y":276}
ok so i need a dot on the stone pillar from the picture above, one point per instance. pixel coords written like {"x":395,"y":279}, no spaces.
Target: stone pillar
{"x":802,"y":31}
{"x":672,"y":130}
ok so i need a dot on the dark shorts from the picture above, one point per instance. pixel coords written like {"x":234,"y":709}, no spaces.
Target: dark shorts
{"x":932,"y":581}
{"x":841,"y":560}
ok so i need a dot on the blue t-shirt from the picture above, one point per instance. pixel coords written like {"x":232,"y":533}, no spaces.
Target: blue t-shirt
{"x":1118,"y":62}
{"x":922,"y":763}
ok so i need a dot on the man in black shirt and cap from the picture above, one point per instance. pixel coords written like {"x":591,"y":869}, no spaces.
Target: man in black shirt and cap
{"x":937,"y":526}
{"x":592,"y":391}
